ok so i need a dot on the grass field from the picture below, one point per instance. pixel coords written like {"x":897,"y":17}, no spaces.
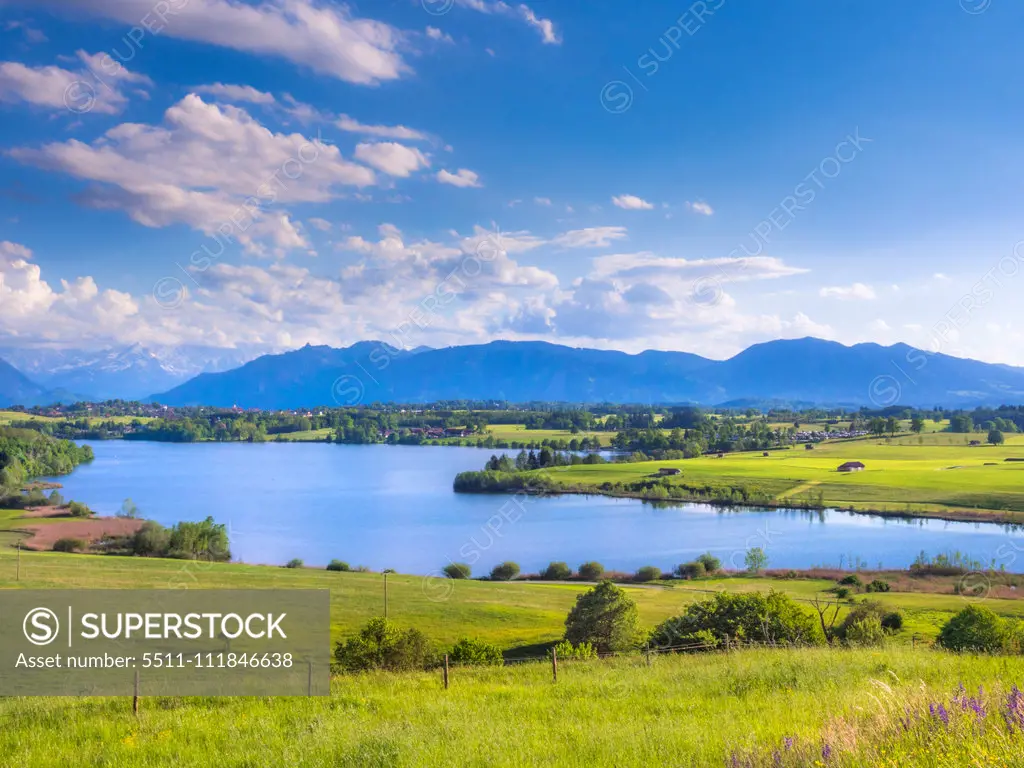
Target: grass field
{"x":679,"y":711}
{"x":520,"y":434}
{"x":6,"y":417}
{"x":934,"y":474}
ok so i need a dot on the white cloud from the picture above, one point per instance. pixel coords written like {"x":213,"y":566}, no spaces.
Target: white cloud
{"x":591,"y":237}
{"x":392,"y":158}
{"x":461,"y":178}
{"x":235,"y":93}
{"x":326,"y":38}
{"x":205,"y":166}
{"x":632,"y":203}
{"x":32,"y":35}
{"x":546,"y":27}
{"x":322,"y":224}
{"x":346,"y":123}
{"x":702,"y":208}
{"x":436,"y":34}
{"x":855,"y":292}
{"x":545,"y":201}
{"x":95,"y":86}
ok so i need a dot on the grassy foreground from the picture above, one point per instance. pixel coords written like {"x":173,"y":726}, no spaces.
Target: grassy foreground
{"x":767,"y":707}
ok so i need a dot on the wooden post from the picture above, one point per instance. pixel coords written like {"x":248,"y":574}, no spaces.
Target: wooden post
{"x":18,"y":575}
{"x":554,"y":664}
{"x":309,"y":678}
{"x":386,"y":595}
{"x":135,"y":698}
{"x":647,"y":653}
{"x":446,"y":671}
{"x":913,"y":640}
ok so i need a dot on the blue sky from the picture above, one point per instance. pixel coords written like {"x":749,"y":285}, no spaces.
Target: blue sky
{"x":695,"y":177}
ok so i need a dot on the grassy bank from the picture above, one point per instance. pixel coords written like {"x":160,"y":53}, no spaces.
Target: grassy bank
{"x":935,"y":475}
{"x":812,"y":707}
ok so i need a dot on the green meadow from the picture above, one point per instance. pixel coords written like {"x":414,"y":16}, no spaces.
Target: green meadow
{"x":932,"y":474}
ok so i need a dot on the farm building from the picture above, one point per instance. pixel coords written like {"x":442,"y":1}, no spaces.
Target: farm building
{"x":670,"y":471}
{"x":850,"y":466}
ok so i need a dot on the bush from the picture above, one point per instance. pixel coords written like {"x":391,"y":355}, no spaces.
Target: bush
{"x":879,"y":585}
{"x":294,"y":563}
{"x":505,"y":571}
{"x":892,"y":621}
{"x":338,"y":565}
{"x":567,"y":651}
{"x":476,"y":652}
{"x":755,"y":560}
{"x":754,"y":617}
{"x":78,"y":509}
{"x":382,"y":645}
{"x":853,"y":580}
{"x":973,"y":629}
{"x":457,"y":571}
{"x":605,"y":617}
{"x":591,"y":571}
{"x":556,"y":572}
{"x":69,"y":544}
{"x":711,"y":563}
{"x":647,"y":573}
{"x":151,"y":540}
{"x":694,"y":570}
{"x":865,"y":631}
{"x":842,"y":592}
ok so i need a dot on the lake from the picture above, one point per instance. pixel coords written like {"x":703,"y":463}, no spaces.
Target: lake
{"x":393,"y":507}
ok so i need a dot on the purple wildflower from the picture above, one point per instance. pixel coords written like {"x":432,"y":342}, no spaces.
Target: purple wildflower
{"x":826,"y":751}
{"x":1015,"y":709}
{"x":788,"y":743}
{"x":943,"y":715}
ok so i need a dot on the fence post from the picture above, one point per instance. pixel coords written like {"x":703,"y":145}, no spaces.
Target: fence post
{"x":554,"y":664}
{"x":727,"y":644}
{"x":913,"y":640}
{"x":647,"y":654}
{"x":135,"y":698}
{"x":18,"y":576}
{"x":446,"y":671}
{"x":309,"y":678}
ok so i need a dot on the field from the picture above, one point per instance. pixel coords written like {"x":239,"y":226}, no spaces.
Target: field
{"x":933,"y":474}
{"x":6,"y":417}
{"x":624,"y":711}
{"x":520,"y":434}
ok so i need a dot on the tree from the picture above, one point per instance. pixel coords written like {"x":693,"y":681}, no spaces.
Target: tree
{"x":78,"y":509}
{"x":711,"y":563}
{"x":505,"y":571}
{"x":457,"y":571}
{"x":151,"y":540}
{"x":755,"y":560}
{"x":605,"y":617}
{"x":961,"y":423}
{"x":476,"y":652}
{"x":973,"y":629}
{"x":995,"y":437}
{"x":128,"y":510}
{"x":295,"y":562}
{"x":382,"y":645}
{"x":338,"y":565}
{"x":647,"y":573}
{"x":591,"y":571}
{"x":917,"y":425}
{"x":556,"y":572}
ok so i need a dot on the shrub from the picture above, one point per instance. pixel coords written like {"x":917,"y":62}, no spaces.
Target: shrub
{"x":879,"y":585}
{"x":865,"y":631}
{"x":853,"y":580}
{"x":892,"y":621}
{"x":973,"y":629}
{"x":382,"y":645}
{"x":457,"y":571}
{"x":711,"y":563}
{"x":754,"y":617}
{"x":556,"y":572}
{"x":69,"y":544}
{"x":151,"y":540}
{"x":647,"y":573}
{"x":605,"y":617}
{"x":591,"y":571}
{"x":338,"y":565}
{"x":505,"y":571}
{"x":294,"y":563}
{"x":477,"y":652}
{"x":78,"y":509}
{"x":842,"y":592}
{"x":694,"y":570}
{"x":755,"y":560}
{"x":567,"y":651}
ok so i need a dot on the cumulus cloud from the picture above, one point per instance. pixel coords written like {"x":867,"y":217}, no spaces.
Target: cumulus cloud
{"x":96,"y":85}
{"x":545,"y":27}
{"x":461,"y":178}
{"x":206,"y":166}
{"x":346,"y":123}
{"x":317,"y":223}
{"x":235,"y":93}
{"x":632,"y":203}
{"x":392,"y":158}
{"x":855,"y":292}
{"x":326,"y":38}
{"x":702,"y":208}
{"x":591,"y":237}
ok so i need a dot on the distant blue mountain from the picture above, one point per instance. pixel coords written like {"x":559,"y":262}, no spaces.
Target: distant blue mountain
{"x":797,"y":371}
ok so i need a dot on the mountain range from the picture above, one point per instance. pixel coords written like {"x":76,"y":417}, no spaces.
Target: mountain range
{"x":801,"y":371}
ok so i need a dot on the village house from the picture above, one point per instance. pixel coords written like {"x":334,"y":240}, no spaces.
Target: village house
{"x":665,"y":471}
{"x":851,"y":466}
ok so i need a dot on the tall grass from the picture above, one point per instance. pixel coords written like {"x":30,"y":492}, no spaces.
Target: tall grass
{"x":680,"y":711}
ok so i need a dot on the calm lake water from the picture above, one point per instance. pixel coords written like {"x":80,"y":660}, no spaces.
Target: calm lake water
{"x":393,"y":507}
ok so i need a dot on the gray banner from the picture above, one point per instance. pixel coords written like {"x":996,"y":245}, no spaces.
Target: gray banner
{"x":197,"y":642}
